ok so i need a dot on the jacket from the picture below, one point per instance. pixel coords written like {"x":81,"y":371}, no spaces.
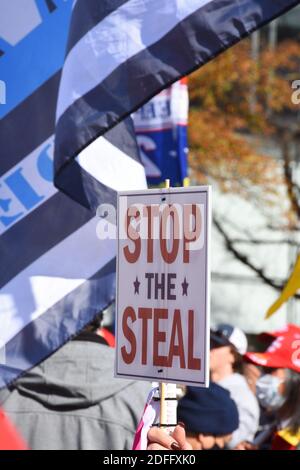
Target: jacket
{"x":72,"y":400}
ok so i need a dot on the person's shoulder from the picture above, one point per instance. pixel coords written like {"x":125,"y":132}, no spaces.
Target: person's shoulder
{"x":237,"y":380}
{"x":242,"y":385}
{"x":233,"y":381}
{"x":244,"y":393}
{"x":240,"y":380}
{"x":238,"y":386}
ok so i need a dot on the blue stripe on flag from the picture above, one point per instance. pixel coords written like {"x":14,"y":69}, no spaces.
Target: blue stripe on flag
{"x":42,"y":49}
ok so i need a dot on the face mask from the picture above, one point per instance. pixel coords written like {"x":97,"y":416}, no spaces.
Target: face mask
{"x":267,"y":392}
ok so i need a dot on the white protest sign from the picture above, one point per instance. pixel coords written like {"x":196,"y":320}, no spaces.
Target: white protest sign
{"x":163,"y":277}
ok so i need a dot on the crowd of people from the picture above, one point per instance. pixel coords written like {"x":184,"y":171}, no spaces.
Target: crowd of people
{"x":253,"y":402}
{"x":73,"y":401}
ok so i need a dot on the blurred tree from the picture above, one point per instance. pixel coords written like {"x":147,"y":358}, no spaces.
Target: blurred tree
{"x":237,"y":101}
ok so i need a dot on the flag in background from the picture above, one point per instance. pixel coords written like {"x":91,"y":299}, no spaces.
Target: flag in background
{"x":289,"y":290}
{"x":55,"y":274}
{"x":161,"y":130}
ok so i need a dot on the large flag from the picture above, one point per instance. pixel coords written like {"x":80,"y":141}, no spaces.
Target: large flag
{"x":55,"y":274}
{"x":161,"y":130}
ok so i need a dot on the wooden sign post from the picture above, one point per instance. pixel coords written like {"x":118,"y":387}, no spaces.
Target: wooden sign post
{"x":163,"y":286}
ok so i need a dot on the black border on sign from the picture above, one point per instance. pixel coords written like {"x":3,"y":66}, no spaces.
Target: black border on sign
{"x":158,"y":192}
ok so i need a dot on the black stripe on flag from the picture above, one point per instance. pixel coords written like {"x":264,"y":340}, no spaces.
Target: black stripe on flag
{"x":28,"y":125}
{"x":70,"y":177}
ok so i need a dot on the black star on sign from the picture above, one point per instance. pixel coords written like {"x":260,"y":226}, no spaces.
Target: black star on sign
{"x":136,"y":286}
{"x":185,"y":286}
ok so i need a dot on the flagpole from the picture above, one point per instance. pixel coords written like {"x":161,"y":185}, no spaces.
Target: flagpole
{"x":167,"y":396}
{"x":163,"y":409}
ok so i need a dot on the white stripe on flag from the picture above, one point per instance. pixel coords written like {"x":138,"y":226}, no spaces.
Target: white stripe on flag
{"x":111,"y":166}
{"x":130,"y":29}
{"x":51,"y":277}
{"x":2,"y":355}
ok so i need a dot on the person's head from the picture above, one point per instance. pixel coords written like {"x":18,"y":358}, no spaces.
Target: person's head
{"x":227,"y":345}
{"x":278,"y":387}
{"x":270,"y":388}
{"x":279,"y":390}
{"x":210,"y":416}
{"x":291,"y":408}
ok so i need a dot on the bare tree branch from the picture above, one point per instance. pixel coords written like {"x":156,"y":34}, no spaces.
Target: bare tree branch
{"x":254,"y":241}
{"x":246,"y":261}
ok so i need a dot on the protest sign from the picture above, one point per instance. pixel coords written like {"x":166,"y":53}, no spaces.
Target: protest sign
{"x":163,"y":285}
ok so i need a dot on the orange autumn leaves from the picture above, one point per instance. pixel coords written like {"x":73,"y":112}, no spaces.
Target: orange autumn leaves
{"x":234,"y":103}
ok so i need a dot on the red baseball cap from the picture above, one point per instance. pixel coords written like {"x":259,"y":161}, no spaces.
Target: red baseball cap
{"x":283,"y":352}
